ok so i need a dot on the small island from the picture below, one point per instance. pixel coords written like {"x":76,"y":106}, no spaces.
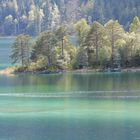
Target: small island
{"x":82,"y":47}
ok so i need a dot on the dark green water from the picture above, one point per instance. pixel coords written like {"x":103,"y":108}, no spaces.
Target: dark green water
{"x":69,"y":106}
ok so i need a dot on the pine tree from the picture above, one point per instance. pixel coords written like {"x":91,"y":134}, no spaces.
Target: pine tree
{"x":21,"y":50}
{"x":82,"y":29}
{"x":61,"y":34}
{"x":44,"y":46}
{"x":115,"y":31}
{"x":135,"y":25}
{"x":96,"y":39}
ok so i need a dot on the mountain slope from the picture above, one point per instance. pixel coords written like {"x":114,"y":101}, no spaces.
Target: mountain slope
{"x":34,"y":16}
{"x":121,"y":10}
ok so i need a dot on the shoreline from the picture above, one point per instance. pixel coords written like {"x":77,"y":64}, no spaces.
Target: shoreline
{"x":12,"y":70}
{"x":7,"y":71}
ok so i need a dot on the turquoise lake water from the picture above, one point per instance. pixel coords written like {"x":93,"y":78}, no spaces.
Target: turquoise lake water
{"x":101,"y":106}
{"x":5,"y":50}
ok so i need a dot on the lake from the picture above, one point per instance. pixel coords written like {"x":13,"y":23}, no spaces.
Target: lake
{"x":72,"y":106}
{"x":5,"y":49}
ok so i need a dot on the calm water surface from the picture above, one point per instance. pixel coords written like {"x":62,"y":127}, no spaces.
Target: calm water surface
{"x":68,"y":106}
{"x":5,"y":52}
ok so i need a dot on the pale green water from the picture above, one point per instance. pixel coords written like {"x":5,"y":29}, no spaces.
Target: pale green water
{"x":69,"y":106}
{"x":68,"y":119}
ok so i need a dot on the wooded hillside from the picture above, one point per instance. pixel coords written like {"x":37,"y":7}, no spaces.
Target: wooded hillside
{"x":33,"y":16}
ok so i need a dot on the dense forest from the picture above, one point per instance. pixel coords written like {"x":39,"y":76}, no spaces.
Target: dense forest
{"x":102,"y":46}
{"x":34,"y":16}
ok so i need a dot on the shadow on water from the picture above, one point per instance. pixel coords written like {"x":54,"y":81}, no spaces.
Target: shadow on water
{"x":120,"y":84}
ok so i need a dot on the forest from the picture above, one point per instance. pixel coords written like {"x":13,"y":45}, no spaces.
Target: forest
{"x":34,"y":16}
{"x":93,"y":46}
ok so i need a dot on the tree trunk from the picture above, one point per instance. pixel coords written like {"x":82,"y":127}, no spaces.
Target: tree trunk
{"x":97,"y":49}
{"x":62,"y":47}
{"x":22,"y":53}
{"x":113,"y":47}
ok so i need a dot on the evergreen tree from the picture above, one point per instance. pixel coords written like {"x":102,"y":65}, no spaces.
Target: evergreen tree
{"x":44,"y":46}
{"x":115,"y":31}
{"x":135,"y":25}
{"x":21,"y":50}
{"x":82,"y":29}
{"x":61,"y":34}
{"x":96,"y":39}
